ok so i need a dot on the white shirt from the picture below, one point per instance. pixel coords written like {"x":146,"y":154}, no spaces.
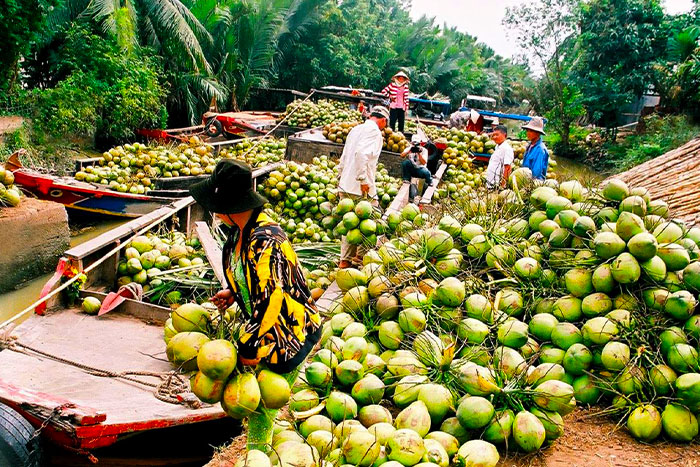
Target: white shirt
{"x":414,"y":157}
{"x":358,"y":163}
{"x":502,"y":156}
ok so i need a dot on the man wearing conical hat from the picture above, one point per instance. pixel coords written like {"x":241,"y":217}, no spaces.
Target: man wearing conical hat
{"x":536,"y":156}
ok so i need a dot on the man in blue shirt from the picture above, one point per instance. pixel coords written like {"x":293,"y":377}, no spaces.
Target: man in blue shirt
{"x":536,"y":156}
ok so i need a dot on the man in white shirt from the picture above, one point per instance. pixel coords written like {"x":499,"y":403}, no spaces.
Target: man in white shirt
{"x":357,"y":169}
{"x":501,"y":160}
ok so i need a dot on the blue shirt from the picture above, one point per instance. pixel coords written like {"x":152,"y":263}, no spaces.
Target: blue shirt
{"x":536,"y":159}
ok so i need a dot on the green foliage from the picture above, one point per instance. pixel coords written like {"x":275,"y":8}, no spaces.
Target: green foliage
{"x":107,"y":94}
{"x":620,"y":40}
{"x":21,"y":21}
{"x":661,"y":134}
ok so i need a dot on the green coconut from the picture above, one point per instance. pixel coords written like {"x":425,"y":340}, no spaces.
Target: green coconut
{"x":628,"y":225}
{"x":567,"y":308}
{"x":528,"y":268}
{"x":555,"y":205}
{"x":654,"y":269}
{"x":406,"y":391}
{"x":383,"y":431}
{"x":183,"y":348}
{"x":554,"y":395}
{"x":599,"y":330}
{"x":634,"y":204}
{"x":405,"y":446}
{"x":316,"y":423}
{"x":360,"y":449}
{"x":541,"y":326}
{"x":390,"y":335}
{"x":691,"y":276}
{"x":528,"y":431}
{"x":564,"y":335}
{"x":625,"y":269}
{"x":241,"y":396}
{"x":668,"y":232}
{"x":674,"y":255}
{"x":438,"y":399}
{"x":475,"y":412}
{"x":596,"y":304}
{"x":586,"y":390}
{"x":450,"y":292}
{"x":477,"y":453}
{"x":512,"y":333}
{"x":683,"y":358}
{"x":368,"y":390}
{"x":415,"y":417}
{"x":615,"y":356}
{"x":340,"y":406}
{"x":680,"y":305}
{"x":679,"y":423}
{"x":544,"y":372}
{"x":253,"y":458}
{"x":448,"y":442}
{"x":615,"y":190}
{"x":349,"y":278}
{"x":452,"y":427}
{"x":349,"y":372}
{"x":608,"y":245}
{"x":645,"y":422}
{"x":584,"y":226}
{"x":579,"y":282}
{"x":303,"y":400}
{"x":603,"y":280}
{"x":577,"y":359}
{"x":688,"y":390}
{"x":540,"y":196}
{"x":662,"y":377}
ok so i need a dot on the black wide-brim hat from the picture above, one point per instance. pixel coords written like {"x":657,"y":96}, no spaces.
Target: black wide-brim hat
{"x":229,"y":189}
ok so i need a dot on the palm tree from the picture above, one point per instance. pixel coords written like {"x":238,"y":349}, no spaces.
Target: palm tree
{"x":250,"y":38}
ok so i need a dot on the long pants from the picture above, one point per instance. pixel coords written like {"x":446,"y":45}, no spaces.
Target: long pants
{"x":397,"y":115}
{"x":349,"y":252}
{"x":410,"y":170}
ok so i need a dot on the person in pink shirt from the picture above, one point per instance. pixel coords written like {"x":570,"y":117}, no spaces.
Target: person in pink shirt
{"x":397,"y":92}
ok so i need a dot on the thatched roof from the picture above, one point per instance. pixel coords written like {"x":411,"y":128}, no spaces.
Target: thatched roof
{"x":673,"y":177}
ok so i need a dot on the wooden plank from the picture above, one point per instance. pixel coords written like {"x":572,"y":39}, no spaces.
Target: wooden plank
{"x":212,"y":250}
{"x":427,"y":197}
{"x":114,"y":342}
{"x":127,"y":229}
{"x":399,"y":201}
{"x":149,"y":313}
{"x":42,"y":405}
{"x":331,"y":294}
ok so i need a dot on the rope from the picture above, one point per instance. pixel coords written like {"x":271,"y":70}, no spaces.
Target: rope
{"x":108,"y":255}
{"x":257,"y":143}
{"x":173,"y":387}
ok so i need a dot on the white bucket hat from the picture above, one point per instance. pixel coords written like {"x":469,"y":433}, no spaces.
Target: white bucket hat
{"x":380,"y":110}
{"x":535,"y":124}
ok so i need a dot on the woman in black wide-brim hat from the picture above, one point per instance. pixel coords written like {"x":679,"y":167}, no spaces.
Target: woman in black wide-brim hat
{"x":263,"y":275}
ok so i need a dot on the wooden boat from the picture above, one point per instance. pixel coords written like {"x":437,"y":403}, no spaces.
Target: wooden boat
{"x":84,"y":196}
{"x":82,"y":405}
{"x":87,"y":197}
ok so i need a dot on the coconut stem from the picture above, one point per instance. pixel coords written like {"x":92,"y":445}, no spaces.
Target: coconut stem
{"x":260,"y":423}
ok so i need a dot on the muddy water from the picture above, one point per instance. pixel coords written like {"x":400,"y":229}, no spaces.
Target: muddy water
{"x":568,"y":169}
{"x":15,"y":301}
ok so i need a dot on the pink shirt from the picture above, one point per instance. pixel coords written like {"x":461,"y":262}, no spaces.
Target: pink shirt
{"x":399,"y":102}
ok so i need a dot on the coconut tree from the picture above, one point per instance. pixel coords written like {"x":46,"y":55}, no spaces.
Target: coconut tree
{"x":250,"y":38}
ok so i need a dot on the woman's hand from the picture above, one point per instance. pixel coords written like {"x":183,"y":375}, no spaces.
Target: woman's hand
{"x":223,"y":299}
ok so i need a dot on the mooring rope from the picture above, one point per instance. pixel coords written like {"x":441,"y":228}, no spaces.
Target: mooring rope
{"x":173,"y":387}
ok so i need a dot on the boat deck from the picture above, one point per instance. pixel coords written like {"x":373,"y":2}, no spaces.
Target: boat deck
{"x":117,"y":342}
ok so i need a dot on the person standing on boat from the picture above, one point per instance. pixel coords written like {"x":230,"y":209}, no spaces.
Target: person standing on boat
{"x":281,"y":323}
{"x":501,"y":160}
{"x":357,"y":171}
{"x":397,"y":92}
{"x":536,"y":156}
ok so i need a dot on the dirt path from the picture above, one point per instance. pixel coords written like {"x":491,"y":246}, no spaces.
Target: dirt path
{"x":589,"y":441}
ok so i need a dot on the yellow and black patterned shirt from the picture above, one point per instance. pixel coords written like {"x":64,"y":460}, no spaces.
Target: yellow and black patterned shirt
{"x":283,"y":323}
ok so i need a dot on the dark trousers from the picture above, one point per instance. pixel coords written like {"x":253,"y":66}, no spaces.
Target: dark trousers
{"x":397,"y":115}
{"x":410,"y":170}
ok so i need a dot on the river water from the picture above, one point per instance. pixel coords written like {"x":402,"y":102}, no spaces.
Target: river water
{"x":81,"y":231}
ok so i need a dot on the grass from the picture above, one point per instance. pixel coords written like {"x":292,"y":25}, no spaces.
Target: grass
{"x":661,"y":134}
{"x":54,"y":156}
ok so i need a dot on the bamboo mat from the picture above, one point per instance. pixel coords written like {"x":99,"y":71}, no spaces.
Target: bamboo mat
{"x":673,"y":177}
